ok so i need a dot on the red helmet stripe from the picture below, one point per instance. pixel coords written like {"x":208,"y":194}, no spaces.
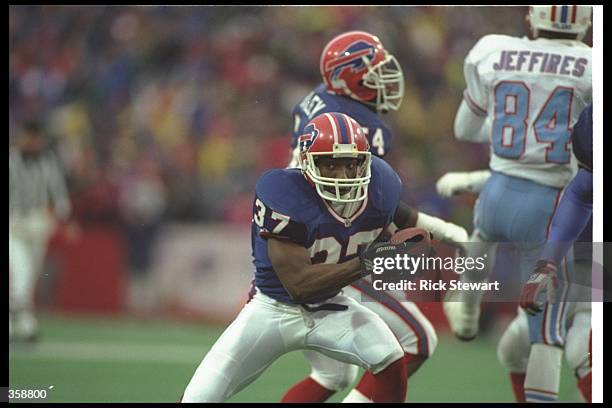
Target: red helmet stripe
{"x":574,"y":10}
{"x":553,"y":13}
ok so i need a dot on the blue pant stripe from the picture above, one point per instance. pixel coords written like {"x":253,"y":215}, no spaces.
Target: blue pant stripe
{"x":564,"y":14}
{"x":342,"y":129}
{"x":538,"y":397}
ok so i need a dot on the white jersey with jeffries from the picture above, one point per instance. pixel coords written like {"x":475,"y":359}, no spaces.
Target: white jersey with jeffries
{"x":531,"y":92}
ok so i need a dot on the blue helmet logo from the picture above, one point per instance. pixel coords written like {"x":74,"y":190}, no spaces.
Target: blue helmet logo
{"x":306,"y":140}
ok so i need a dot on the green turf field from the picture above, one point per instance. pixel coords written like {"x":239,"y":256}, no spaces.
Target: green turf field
{"x":85,"y":359}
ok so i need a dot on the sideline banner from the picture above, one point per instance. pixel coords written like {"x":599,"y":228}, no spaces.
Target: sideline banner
{"x":203,"y":270}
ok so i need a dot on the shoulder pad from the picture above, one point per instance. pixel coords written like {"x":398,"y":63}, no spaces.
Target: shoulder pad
{"x":287,"y":192}
{"x":385,"y":186}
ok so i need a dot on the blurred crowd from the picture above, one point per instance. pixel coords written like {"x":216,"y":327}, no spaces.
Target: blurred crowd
{"x":172,"y":113}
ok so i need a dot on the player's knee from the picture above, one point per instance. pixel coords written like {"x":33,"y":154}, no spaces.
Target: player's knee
{"x":426,"y":350}
{"x":213,"y":380}
{"x":414,"y":362}
{"x":503,"y":355}
{"x":394,"y":354}
{"x":422,"y":345}
{"x":577,"y":344}
{"x":347,"y":377}
{"x":577,"y":357}
{"x":511,"y":355}
{"x":340,"y":378}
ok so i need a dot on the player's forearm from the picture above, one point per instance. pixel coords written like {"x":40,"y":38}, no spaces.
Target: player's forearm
{"x":405,"y":216}
{"x":572,"y":215}
{"x":318,"y":279}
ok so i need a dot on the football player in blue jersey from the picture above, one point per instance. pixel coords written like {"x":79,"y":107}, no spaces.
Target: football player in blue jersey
{"x":573,"y":214}
{"x":362,"y":79}
{"x":309,"y":225}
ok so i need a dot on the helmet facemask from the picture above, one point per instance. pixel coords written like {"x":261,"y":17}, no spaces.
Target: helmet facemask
{"x":387,"y":79}
{"x":349,"y":190}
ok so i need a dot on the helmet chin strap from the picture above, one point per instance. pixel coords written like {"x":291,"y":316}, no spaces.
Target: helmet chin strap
{"x":345,"y":210}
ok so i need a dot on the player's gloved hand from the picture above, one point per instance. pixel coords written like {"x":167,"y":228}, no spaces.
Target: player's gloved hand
{"x":543,"y":279}
{"x":367,"y":252}
{"x":376,"y":250}
{"x":456,"y":182}
{"x":411,"y":241}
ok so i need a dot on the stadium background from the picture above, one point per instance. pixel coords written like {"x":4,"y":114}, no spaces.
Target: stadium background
{"x":164,"y":118}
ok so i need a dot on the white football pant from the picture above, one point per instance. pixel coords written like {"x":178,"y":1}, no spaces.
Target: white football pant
{"x":266,"y":329}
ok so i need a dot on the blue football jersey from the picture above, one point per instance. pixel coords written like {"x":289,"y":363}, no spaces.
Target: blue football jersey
{"x":582,"y":144}
{"x":287,"y":206}
{"x":320,"y":101}
{"x":582,"y":138}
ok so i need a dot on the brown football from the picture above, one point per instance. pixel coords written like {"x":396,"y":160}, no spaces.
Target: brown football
{"x":411,"y":234}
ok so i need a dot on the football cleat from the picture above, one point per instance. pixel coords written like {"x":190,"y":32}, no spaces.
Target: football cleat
{"x":462,"y":316}
{"x":23,"y":327}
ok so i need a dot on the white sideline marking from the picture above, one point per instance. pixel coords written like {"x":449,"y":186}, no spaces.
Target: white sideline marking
{"x":109,"y":352}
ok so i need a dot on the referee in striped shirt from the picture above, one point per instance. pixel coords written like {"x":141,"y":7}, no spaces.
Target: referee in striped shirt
{"x":38,"y":197}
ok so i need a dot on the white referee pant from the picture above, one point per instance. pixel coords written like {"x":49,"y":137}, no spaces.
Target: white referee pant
{"x":28,"y":237}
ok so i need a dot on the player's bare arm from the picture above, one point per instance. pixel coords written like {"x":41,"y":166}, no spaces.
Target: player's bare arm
{"x":405,"y":216}
{"x":301,"y":278}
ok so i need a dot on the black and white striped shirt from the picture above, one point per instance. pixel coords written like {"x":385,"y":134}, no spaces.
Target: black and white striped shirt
{"x":36,"y":183}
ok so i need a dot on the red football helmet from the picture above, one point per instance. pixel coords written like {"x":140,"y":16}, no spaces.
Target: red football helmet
{"x":357,"y":65}
{"x":337,"y":135}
